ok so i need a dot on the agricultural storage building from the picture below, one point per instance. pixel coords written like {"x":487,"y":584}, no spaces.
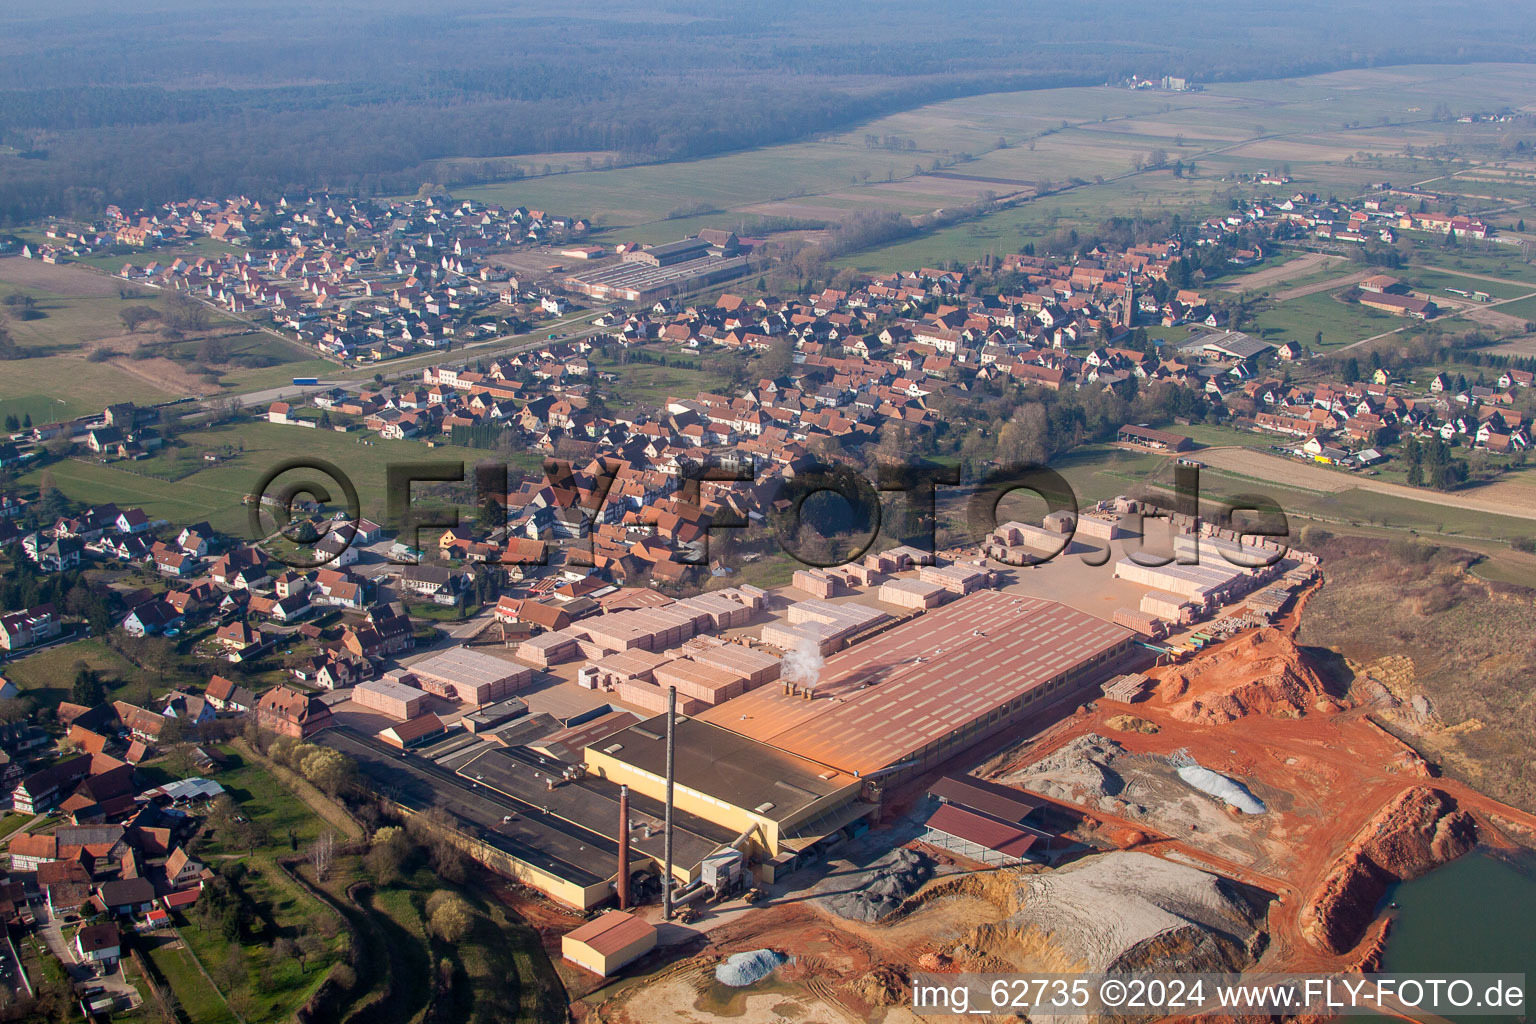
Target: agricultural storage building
{"x":390,"y":698}
{"x":921,"y":692}
{"x":606,"y":943}
{"x":1158,"y":440}
{"x":910,"y":593}
{"x":470,"y":677}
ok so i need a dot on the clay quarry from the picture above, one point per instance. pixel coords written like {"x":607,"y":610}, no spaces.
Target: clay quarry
{"x":1244,"y":812}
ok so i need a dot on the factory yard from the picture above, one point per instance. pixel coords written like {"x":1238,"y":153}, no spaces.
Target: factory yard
{"x":1255,"y":709}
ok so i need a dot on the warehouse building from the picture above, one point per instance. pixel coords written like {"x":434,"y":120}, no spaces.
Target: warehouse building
{"x":470,"y":677}
{"x":986,"y":822}
{"x":607,"y":943}
{"x":491,"y":716}
{"x":389,"y":697}
{"x":925,"y":690}
{"x":416,"y":732}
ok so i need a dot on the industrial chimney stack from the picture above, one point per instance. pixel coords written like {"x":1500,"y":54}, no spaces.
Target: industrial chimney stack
{"x":666,"y":840}
{"x":623,"y":847}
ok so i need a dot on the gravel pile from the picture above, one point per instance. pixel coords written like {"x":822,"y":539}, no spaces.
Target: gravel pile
{"x":1079,"y":771}
{"x":742,"y":969}
{"x":882,"y":887}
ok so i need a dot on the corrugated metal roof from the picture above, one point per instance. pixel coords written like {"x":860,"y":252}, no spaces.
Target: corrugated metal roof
{"x":973,"y":828}
{"x":612,"y":932}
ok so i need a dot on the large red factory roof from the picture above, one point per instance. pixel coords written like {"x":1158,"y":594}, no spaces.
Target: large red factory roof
{"x":881,"y":701}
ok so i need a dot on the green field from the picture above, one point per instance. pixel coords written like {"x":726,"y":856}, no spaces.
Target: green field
{"x":1523,"y":308}
{"x":77,"y":310}
{"x":214,"y":492}
{"x":1437,"y":281}
{"x":200,"y":1000}
{"x":48,"y":675}
{"x":650,"y":384}
{"x":1315,"y":127}
{"x":1341,"y":322}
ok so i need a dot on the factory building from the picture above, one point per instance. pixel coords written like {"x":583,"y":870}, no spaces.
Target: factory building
{"x":469,"y":677}
{"x":927,"y":689}
{"x":391,"y":698}
{"x":785,"y":806}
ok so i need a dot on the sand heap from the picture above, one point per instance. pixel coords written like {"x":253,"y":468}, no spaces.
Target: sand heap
{"x":1420,"y":830}
{"x":1124,"y":911}
{"x":1259,"y":673}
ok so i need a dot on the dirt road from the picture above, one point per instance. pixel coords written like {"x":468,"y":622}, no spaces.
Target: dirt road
{"x":1496,"y":499}
{"x":1332,"y":284}
{"x":1301,"y":266}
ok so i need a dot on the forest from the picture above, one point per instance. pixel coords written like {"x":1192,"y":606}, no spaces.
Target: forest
{"x":168,"y":98}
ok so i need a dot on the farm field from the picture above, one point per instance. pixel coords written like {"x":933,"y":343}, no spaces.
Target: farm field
{"x":1437,"y":282}
{"x":1503,"y":508}
{"x":214,"y":492}
{"x":1009,"y":143}
{"x":77,"y":311}
{"x":1525,"y":309}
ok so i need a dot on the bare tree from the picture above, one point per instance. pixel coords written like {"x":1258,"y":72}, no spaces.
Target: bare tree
{"x":322,"y":854}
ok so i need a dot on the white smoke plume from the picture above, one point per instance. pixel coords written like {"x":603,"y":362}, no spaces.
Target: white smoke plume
{"x":802,"y":665}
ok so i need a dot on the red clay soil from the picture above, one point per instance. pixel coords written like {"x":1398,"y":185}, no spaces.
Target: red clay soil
{"x":1415,"y":833}
{"x":1342,"y":772}
{"x":1257,"y":673}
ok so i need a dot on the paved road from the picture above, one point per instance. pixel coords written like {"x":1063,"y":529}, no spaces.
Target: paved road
{"x":362,"y":376}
